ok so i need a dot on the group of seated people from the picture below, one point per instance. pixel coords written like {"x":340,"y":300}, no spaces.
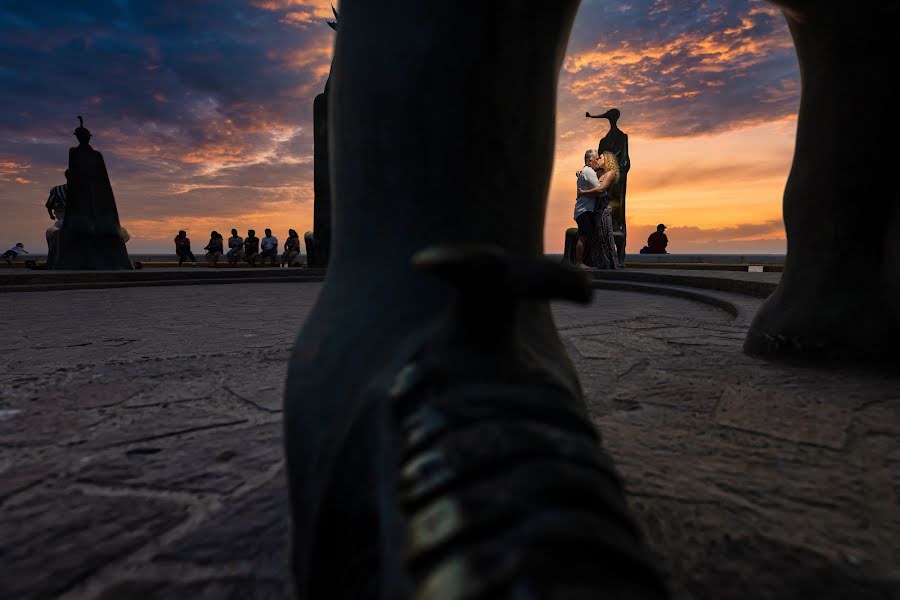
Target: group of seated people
{"x":250,"y":249}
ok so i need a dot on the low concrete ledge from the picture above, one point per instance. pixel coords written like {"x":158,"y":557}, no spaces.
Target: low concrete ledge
{"x":29,"y":280}
{"x":724,"y":282}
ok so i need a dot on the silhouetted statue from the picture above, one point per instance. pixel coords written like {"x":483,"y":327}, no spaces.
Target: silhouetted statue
{"x":616,"y":141}
{"x":839,"y":295}
{"x":318,"y":241}
{"x":437,"y":442}
{"x":91,"y":236}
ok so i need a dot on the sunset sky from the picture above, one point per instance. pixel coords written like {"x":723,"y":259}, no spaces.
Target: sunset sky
{"x":203,"y":112}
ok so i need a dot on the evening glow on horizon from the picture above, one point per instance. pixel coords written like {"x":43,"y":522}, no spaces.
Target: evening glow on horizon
{"x":203,"y":112}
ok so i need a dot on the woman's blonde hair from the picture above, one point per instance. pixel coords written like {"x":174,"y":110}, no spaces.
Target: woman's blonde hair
{"x":608,"y":159}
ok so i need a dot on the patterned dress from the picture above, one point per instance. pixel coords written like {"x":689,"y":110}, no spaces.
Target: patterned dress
{"x":601,"y":250}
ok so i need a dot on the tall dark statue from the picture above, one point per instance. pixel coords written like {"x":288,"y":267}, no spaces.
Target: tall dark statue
{"x":91,"y":236}
{"x":437,"y":441}
{"x":318,"y":241}
{"x":616,"y":141}
{"x":839,"y":296}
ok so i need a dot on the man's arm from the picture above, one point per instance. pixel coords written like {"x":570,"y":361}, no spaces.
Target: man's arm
{"x":605,"y":183}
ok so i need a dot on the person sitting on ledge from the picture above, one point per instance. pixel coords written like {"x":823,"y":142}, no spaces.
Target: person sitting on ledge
{"x":13,"y":253}
{"x":183,"y":248}
{"x":657,"y":242}
{"x":251,"y":247}
{"x":214,"y":248}
{"x":269,"y":248}
{"x":291,"y":249}
{"x":235,"y":245}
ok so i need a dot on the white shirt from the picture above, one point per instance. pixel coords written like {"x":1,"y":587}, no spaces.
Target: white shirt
{"x":587,"y":179}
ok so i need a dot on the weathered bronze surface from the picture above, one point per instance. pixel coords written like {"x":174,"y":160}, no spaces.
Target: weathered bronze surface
{"x":416,"y":419}
{"x":840,"y":293}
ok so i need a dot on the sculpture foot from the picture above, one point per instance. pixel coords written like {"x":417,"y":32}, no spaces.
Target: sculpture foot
{"x":854,"y":329}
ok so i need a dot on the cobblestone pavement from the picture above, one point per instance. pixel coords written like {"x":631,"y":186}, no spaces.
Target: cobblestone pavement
{"x":140,"y":451}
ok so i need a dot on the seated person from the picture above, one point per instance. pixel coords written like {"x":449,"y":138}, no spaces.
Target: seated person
{"x":214,"y":248}
{"x":251,"y":247}
{"x":291,"y":248}
{"x":657,"y":242}
{"x":183,"y":248}
{"x":13,"y":252}
{"x":269,"y":248}
{"x":235,"y":246}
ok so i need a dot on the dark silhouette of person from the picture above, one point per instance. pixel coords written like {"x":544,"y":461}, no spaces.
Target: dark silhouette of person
{"x":657,"y":242}
{"x":616,"y":141}
{"x":235,"y":248}
{"x":183,"y":248}
{"x":91,"y":235}
{"x":251,"y":247}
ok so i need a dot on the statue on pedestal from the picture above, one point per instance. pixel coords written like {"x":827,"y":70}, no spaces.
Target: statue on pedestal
{"x":616,"y":141}
{"x":91,"y":236}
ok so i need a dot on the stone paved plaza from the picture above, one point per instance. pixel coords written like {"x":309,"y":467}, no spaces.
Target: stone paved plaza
{"x":141,"y":457}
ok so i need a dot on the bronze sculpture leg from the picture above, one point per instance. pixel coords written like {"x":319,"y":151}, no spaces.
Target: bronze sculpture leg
{"x":438,"y":118}
{"x":840,"y":293}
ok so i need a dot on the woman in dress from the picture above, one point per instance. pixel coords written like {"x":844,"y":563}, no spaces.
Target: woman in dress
{"x":601,"y":250}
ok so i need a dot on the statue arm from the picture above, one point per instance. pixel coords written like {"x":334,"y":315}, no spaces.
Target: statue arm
{"x":625,"y":163}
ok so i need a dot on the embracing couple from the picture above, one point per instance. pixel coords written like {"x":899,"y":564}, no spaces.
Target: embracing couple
{"x":592,"y":211}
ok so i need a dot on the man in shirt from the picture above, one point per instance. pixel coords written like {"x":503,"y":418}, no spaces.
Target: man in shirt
{"x":251,"y":247}
{"x":235,"y":246}
{"x":269,"y":248}
{"x":14,"y":252}
{"x":657,"y":242}
{"x":585,"y":204}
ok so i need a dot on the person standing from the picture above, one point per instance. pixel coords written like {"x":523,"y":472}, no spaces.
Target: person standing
{"x":584,"y":205}
{"x":235,"y":245}
{"x":251,"y":247}
{"x":602,"y":243}
{"x":269,"y":248}
{"x":183,"y":248}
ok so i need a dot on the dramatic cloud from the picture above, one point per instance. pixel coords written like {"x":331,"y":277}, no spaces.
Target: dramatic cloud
{"x":203,"y":109}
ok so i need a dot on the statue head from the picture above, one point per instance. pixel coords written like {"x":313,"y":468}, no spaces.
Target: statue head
{"x":82,"y":133}
{"x":612,"y":114}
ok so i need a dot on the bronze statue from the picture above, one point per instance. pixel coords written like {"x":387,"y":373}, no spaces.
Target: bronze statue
{"x":839,"y":295}
{"x":416,"y":418}
{"x":616,"y":141}
{"x":318,"y":241}
{"x":91,"y":236}
{"x":416,"y":414}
